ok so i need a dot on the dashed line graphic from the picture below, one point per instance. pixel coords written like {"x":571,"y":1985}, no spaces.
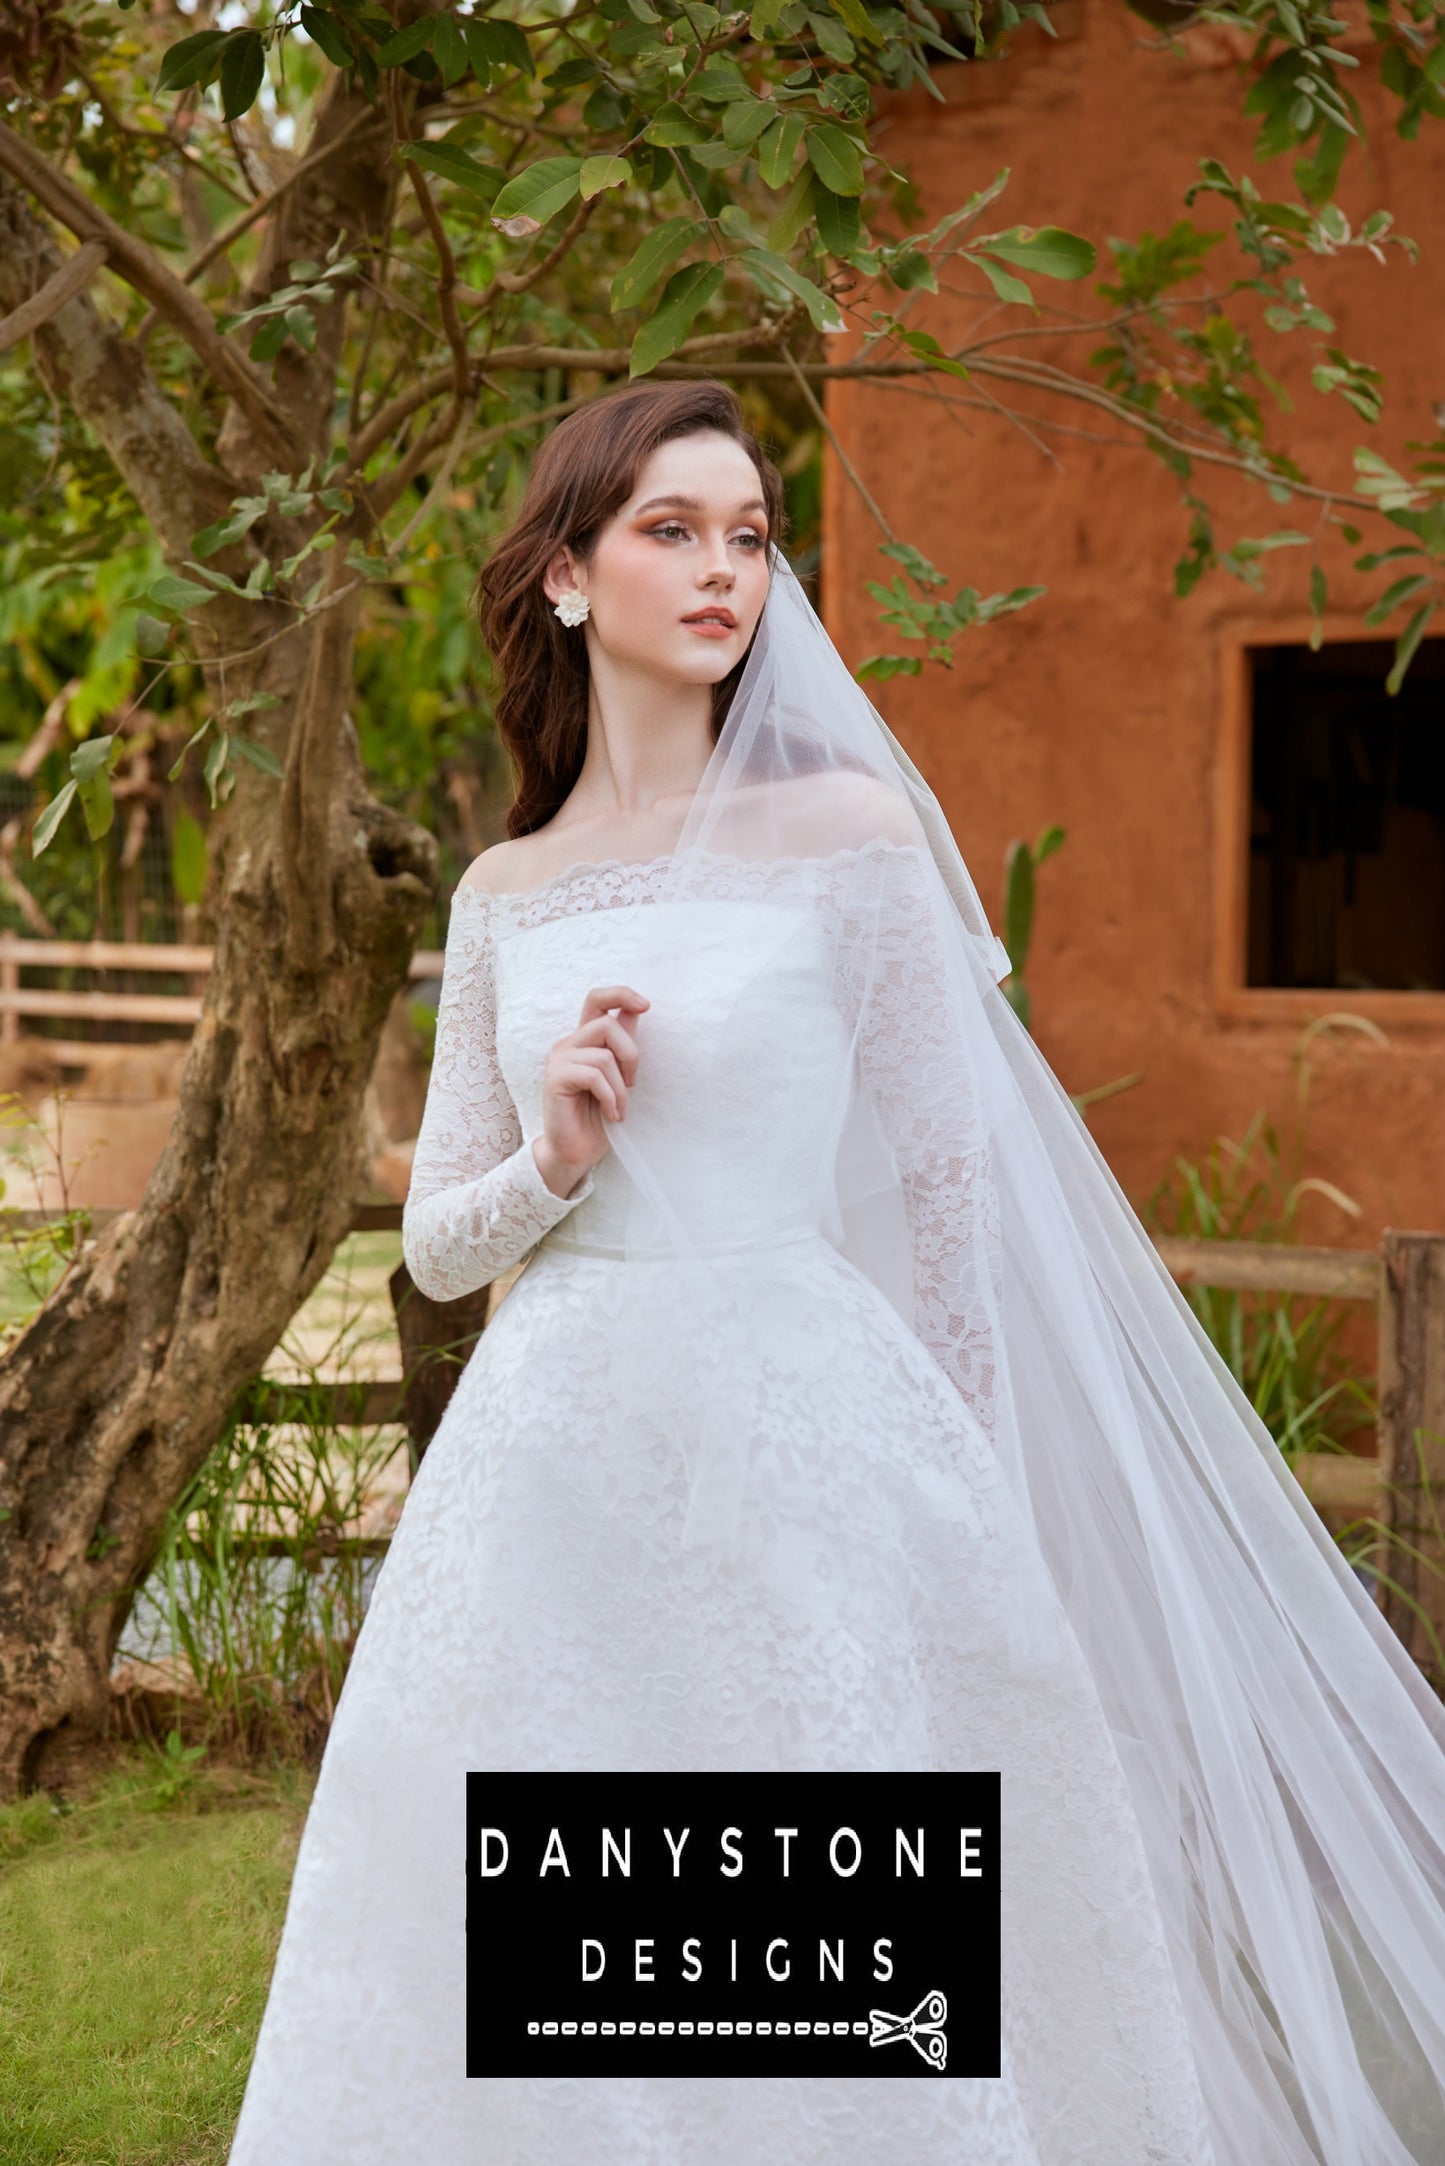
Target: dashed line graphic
{"x":922,"y":2028}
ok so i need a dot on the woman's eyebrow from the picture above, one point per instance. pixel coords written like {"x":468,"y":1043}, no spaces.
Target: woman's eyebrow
{"x":694,"y":503}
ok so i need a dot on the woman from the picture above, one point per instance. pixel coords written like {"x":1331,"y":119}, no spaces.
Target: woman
{"x":843,"y":1418}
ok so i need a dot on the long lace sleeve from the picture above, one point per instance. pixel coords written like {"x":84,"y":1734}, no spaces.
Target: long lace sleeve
{"x":895,"y":959}
{"x":477,"y":1200}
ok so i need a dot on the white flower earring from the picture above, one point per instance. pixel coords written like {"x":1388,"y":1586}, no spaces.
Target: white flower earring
{"x":573,"y":607}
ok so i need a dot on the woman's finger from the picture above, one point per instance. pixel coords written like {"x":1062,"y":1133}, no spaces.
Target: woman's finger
{"x":585,"y":1080}
{"x":603,"y":997}
{"x":607,"y":1030}
{"x":600,"y":1060}
{"x":603,"y":1058}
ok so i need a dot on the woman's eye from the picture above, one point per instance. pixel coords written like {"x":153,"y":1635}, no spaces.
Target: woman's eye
{"x":675,"y":526}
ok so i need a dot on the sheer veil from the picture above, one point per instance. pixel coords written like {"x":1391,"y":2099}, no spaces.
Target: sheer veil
{"x":1283,"y":1754}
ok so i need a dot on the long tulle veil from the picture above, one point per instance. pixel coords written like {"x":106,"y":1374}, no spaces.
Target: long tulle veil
{"x":1283,"y":1754}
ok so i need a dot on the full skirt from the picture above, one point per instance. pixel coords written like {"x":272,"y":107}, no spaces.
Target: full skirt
{"x":885,"y":1607}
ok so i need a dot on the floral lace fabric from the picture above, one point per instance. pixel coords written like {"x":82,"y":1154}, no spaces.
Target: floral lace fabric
{"x":886,"y":1606}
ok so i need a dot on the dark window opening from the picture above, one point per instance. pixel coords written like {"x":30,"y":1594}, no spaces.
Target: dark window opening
{"x":1347,"y":826}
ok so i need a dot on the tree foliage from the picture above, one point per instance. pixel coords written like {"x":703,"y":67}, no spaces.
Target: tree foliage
{"x":564,"y":197}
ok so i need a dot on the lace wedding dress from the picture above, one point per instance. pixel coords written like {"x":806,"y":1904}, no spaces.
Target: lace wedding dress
{"x":886,"y":1607}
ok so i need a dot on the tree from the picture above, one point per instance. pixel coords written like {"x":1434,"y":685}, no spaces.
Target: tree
{"x":297,"y":360}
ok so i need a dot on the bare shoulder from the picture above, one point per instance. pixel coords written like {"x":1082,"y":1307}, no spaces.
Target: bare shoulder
{"x":844,"y":809}
{"x":506,"y":865}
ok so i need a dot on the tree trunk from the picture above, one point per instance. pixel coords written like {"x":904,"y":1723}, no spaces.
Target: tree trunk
{"x":115,"y":1394}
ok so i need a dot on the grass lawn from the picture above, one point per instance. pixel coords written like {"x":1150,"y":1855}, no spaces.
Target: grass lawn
{"x":137,"y":1933}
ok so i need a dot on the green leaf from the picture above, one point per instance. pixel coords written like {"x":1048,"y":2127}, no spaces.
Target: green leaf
{"x":450,"y":49}
{"x":831,"y":35}
{"x":1004,"y":284}
{"x":914,"y":562}
{"x":259,"y":757}
{"x":747,"y":119}
{"x":889,"y":665}
{"x":326,"y":33}
{"x":778,"y":151}
{"x":913,"y":271}
{"x":796,"y":208}
{"x":1393,"y":596}
{"x":194,"y":60}
{"x":227,"y":530}
{"x":1047,"y":251}
{"x":169,"y":592}
{"x":927,"y":348}
{"x":151,"y":635}
{"x":821,"y":307}
{"x":673,"y":126}
{"x":90,"y":764}
{"x":859,"y":21}
{"x":600,"y":173}
{"x":836,"y":159}
{"x":536,"y":195}
{"x":194,"y":739}
{"x":1405,"y":646}
{"x":456,"y":165}
{"x":188,"y":857}
{"x":406,"y":44}
{"x":657,"y":254}
{"x":51,"y":818}
{"x":215,"y":766}
{"x":503,"y":44}
{"x":243,"y":70}
{"x":302,"y":326}
{"x":840,"y":221}
{"x":269,"y":339}
{"x":684,"y":297}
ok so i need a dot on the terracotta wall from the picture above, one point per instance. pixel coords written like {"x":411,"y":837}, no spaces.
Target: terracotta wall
{"x":1103,"y":706}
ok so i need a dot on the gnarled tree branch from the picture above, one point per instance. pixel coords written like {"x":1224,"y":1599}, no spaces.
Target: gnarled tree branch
{"x":131,"y":260}
{"x":106,"y":382}
{"x":342,"y":197}
{"x":74,"y":275}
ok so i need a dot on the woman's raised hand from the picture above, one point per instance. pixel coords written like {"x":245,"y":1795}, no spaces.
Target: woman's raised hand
{"x":588,"y":1076}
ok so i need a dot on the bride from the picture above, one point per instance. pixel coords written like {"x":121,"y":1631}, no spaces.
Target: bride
{"x":843,"y":1418}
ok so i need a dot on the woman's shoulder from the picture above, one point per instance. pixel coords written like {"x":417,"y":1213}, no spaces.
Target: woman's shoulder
{"x":502,"y":868}
{"x":844,"y":809}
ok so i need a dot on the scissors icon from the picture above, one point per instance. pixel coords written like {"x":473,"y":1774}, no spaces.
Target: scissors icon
{"x":924,"y":2026}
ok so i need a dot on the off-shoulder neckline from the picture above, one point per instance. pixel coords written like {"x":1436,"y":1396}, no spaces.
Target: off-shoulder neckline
{"x":639,"y":865}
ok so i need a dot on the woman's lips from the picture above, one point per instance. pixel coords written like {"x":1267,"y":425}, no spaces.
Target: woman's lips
{"x":709,"y":627}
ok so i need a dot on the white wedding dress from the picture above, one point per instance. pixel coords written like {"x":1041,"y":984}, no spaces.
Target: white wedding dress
{"x":886,"y":1609}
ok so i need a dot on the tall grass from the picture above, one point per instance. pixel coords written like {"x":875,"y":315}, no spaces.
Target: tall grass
{"x":1282,"y":1349}
{"x":259,"y":1588}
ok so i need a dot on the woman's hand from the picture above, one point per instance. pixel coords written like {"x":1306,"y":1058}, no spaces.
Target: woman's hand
{"x":588,"y":1076}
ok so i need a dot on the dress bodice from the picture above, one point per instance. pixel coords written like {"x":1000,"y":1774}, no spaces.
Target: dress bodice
{"x":797,"y":994}
{"x":743,"y":1057}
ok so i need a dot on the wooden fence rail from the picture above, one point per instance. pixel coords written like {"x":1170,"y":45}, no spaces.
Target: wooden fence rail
{"x":1402,"y":1488}
{"x":20,"y":952}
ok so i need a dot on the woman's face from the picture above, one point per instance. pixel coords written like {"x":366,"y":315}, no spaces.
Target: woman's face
{"x":691,"y":538}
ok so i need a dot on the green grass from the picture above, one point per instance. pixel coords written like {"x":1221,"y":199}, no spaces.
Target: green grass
{"x":137,"y":1935}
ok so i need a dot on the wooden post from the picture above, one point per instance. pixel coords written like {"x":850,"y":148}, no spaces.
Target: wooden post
{"x":9,"y":986}
{"x":1412,"y":1441}
{"x":436,"y":1338}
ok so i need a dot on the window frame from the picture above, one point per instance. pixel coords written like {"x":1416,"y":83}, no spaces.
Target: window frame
{"x":1233,"y":999}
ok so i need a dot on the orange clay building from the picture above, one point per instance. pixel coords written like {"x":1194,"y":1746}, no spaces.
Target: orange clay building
{"x":1255,"y":834}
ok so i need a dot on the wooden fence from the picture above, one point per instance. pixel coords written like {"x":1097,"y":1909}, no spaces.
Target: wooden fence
{"x":1402,"y":1488}
{"x":19,"y":953}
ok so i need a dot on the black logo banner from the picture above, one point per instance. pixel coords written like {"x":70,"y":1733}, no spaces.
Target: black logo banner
{"x":733,"y":1924}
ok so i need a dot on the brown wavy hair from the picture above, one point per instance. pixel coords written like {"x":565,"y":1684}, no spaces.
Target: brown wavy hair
{"x":583,"y":472}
